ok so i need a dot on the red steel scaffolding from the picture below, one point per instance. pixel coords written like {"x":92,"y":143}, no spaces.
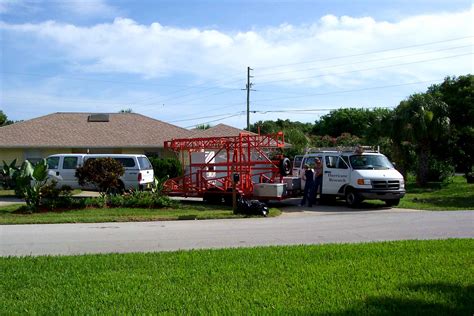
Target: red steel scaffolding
{"x":255,"y":158}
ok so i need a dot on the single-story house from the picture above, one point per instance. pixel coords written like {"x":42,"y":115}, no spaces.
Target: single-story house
{"x":127,"y":133}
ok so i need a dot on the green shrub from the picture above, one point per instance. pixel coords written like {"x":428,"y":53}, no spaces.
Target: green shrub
{"x":95,"y":202}
{"x":8,"y":175}
{"x":30,"y":182}
{"x":439,"y":171}
{"x":104,"y":173}
{"x":166,"y":167}
{"x":53,"y":197}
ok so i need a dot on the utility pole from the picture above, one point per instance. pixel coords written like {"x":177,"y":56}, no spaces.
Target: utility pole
{"x":248,"y":88}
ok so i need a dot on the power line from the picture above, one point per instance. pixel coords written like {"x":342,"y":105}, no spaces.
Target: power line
{"x":203,"y":117}
{"x":366,"y":69}
{"x":369,"y":53}
{"x":361,"y":62}
{"x":352,"y":90}
{"x":221,"y":119}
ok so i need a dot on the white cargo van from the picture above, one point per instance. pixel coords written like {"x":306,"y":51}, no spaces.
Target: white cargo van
{"x":357,"y":174}
{"x":138,"y":169}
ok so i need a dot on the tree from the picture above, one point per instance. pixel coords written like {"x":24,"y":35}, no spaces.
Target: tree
{"x":3,"y":118}
{"x":365,"y":123}
{"x":129,"y":110}
{"x":421,"y":122}
{"x":203,"y":126}
{"x":104,"y":173}
{"x":458,"y":94}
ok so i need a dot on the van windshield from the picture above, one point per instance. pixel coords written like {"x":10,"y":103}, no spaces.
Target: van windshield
{"x":376,"y":162}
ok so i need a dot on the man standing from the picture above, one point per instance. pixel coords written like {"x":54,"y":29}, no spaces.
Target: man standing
{"x":308,"y":187}
{"x":318,"y":179}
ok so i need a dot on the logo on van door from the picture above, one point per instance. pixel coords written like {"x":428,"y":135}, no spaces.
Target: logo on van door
{"x":337,"y":177}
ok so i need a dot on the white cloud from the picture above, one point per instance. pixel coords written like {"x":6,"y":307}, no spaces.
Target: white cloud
{"x":125,"y":46}
{"x":97,"y":8}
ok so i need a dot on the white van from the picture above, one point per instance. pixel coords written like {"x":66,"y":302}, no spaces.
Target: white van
{"x":138,"y":169}
{"x":356,"y":175}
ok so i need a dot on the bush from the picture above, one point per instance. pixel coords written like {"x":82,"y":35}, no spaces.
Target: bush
{"x":166,"y":167}
{"x":104,"y":173}
{"x":8,"y":175}
{"x":439,"y":171}
{"x":53,"y":197}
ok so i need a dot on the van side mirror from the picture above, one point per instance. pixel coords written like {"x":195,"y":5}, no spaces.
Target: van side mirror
{"x":394,"y":164}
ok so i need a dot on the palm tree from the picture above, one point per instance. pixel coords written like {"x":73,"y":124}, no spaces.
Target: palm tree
{"x":422,"y":121}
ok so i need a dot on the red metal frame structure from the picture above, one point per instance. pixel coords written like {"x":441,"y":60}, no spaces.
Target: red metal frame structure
{"x":248,"y":155}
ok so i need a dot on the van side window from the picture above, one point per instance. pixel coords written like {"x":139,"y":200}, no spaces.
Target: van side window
{"x":341,"y":163}
{"x":53,"y":162}
{"x":126,"y":162}
{"x":69,"y":162}
{"x":297,"y":162}
{"x":331,"y":161}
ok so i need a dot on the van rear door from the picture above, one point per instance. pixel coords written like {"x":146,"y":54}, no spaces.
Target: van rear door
{"x":146,"y":170}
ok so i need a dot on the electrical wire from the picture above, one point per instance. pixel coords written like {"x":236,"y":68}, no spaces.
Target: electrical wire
{"x":369,"y":53}
{"x":367,"y":69}
{"x":361,"y":62}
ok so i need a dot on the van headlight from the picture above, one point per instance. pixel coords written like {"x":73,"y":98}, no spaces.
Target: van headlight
{"x":402,"y":184}
{"x":363,"y":182}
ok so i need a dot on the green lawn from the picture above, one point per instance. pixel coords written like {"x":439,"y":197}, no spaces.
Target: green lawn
{"x":7,"y":193}
{"x":183,"y":211}
{"x":457,"y":195}
{"x":397,"y":278}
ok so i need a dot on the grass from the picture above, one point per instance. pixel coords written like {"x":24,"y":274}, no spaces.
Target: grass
{"x":182,"y":212}
{"x":7,"y":193}
{"x":456,"y":195}
{"x":394,"y":278}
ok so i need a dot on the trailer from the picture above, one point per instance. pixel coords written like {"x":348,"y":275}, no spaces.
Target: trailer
{"x":212,"y":166}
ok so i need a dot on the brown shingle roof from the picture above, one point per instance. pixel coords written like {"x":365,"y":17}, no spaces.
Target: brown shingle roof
{"x":124,"y":130}
{"x":219,"y":130}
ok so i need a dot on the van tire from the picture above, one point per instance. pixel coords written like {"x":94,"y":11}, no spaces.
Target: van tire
{"x":393,"y":202}
{"x":353,"y":199}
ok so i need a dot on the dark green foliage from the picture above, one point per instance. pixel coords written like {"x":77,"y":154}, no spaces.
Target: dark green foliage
{"x":104,"y":173}
{"x":364,"y":123}
{"x":165,"y":168}
{"x":345,"y":139}
{"x":30,"y":182}
{"x":387,"y":278}
{"x":296,"y":133}
{"x":4,"y":119}
{"x":140,"y":199}
{"x":54,"y":197}
{"x":421,"y":122}
{"x":458,"y":94}
{"x":8,"y":175}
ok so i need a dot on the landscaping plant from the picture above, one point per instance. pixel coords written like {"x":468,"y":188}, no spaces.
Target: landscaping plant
{"x":30,"y":182}
{"x":8,"y":175}
{"x":104,"y":173}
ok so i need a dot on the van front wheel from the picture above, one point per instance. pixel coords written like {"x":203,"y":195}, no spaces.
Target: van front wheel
{"x":393,"y":202}
{"x":352,"y":198}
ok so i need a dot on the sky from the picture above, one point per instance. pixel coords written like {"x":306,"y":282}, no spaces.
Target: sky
{"x":185,"y":62}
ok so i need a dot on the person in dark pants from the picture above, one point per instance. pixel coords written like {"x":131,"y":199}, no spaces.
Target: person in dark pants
{"x":308,"y":176}
{"x":318,"y":179}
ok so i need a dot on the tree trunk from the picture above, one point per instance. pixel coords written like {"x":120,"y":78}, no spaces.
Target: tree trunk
{"x":423,"y":165}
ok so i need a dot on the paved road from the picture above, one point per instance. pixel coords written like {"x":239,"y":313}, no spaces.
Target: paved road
{"x":291,"y":228}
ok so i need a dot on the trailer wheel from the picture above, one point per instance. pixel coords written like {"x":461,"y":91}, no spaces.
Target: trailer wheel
{"x":352,"y":198}
{"x":285,"y":167}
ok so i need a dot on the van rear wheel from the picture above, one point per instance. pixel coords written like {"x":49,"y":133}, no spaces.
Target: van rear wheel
{"x":352,"y":198}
